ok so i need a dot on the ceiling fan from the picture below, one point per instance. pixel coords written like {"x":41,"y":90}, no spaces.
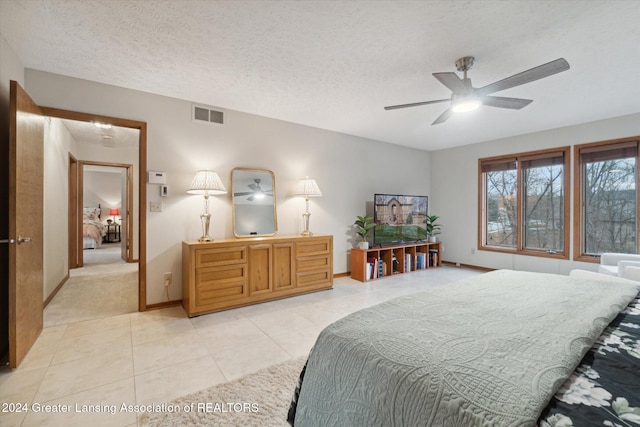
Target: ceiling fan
{"x":256,"y":191}
{"x":465,"y":97}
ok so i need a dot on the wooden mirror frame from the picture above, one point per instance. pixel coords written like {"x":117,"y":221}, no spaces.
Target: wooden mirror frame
{"x":244,"y":183}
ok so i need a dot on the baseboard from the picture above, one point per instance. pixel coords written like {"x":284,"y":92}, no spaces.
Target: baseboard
{"x":347,"y":274}
{"x":160,"y":305}
{"x":55,"y":291}
{"x":473,"y":267}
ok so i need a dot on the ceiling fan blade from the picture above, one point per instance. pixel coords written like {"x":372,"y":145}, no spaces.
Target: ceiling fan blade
{"x":502,"y":102}
{"x":524,"y":77}
{"x":253,"y":187}
{"x":243,"y":194}
{"x":415,"y":104}
{"x":452,"y":81}
{"x":443,"y":117}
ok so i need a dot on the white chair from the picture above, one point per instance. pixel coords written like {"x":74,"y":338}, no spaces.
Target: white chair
{"x":617,"y":264}
{"x":592,"y":275}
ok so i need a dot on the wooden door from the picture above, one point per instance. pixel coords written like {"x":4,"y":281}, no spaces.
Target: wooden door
{"x":26,"y":142}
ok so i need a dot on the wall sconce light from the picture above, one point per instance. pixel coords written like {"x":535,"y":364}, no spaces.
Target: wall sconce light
{"x":206,"y":183}
{"x":307,"y":188}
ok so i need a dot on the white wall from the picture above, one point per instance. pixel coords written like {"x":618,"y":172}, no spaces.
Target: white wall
{"x":455,"y":191}
{"x":104,"y":189}
{"x":58,"y":142}
{"x":348,"y":169}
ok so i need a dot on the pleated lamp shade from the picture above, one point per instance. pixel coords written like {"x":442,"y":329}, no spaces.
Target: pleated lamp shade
{"x":308,"y":188}
{"x":207,"y":182}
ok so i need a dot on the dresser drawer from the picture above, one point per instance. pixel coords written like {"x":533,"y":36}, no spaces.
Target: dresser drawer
{"x":313,"y":263}
{"x":313,"y":247}
{"x":314,"y":277}
{"x":216,"y":284}
{"x":221,"y":256}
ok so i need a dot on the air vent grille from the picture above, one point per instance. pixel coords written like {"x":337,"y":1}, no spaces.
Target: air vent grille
{"x":207,"y":114}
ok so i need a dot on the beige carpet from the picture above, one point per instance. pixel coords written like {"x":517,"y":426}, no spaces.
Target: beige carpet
{"x":266,"y":394}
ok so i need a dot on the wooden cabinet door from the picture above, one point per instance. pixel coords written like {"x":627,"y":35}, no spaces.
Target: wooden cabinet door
{"x":283,"y":266}
{"x":260,"y":260}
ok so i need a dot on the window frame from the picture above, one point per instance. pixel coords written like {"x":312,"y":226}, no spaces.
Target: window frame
{"x":578,"y":195}
{"x":520,"y":158}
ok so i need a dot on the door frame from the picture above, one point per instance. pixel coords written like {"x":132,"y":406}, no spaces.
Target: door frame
{"x":73,"y":213}
{"x":142,"y":183}
{"x":80,"y":205}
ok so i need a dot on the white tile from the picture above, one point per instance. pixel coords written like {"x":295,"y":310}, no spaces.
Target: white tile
{"x":298,"y":343}
{"x":20,"y":385}
{"x":97,"y":325}
{"x":167,"y":351}
{"x":279,"y":322}
{"x":83,"y":374}
{"x":179,"y":379}
{"x":156,"y":326}
{"x":98,"y":406}
{"x":261,"y":353}
{"x":215,"y":319}
{"x":229,"y":335}
{"x":92,"y":345}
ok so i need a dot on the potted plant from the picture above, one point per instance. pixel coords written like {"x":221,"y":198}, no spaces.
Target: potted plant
{"x":364,"y":224}
{"x":432,"y":228}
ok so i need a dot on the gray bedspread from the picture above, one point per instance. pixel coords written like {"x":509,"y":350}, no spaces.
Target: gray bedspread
{"x":486,"y":351}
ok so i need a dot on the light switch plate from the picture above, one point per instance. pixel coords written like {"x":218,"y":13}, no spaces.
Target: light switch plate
{"x":155,"y":206}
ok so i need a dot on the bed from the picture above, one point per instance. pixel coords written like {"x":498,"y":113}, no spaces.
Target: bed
{"x":93,"y":230}
{"x":504,"y":348}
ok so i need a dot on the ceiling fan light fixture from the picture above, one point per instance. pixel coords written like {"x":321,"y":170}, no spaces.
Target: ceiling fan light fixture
{"x":464,"y":104}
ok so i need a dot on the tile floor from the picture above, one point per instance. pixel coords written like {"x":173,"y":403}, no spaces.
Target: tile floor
{"x":158,"y":356}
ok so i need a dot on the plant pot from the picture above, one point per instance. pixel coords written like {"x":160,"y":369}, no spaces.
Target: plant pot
{"x":363,"y":245}
{"x":433,"y":239}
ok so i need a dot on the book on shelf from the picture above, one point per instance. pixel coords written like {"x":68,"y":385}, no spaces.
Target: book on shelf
{"x":421,"y":260}
{"x":373,"y":268}
{"x":407,"y":262}
{"x":433,"y":257}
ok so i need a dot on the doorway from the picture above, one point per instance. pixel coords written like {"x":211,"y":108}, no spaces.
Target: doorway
{"x":135,"y":201}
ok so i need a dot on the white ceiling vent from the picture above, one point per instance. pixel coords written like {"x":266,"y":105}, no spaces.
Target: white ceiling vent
{"x":206,"y":114}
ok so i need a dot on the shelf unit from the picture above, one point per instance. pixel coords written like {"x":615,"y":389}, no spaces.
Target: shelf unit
{"x":385,"y":255}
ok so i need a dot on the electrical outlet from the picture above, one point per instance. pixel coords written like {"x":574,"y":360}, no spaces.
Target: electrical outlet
{"x":155,"y":206}
{"x":167,"y":279}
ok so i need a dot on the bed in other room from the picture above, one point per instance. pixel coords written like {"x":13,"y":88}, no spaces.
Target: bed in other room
{"x":93,"y":230}
{"x":504,"y":348}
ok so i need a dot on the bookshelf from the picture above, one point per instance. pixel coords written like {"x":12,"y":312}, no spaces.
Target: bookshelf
{"x":386,"y":261}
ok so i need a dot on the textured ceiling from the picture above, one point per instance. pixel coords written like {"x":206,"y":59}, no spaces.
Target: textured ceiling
{"x":336,"y":64}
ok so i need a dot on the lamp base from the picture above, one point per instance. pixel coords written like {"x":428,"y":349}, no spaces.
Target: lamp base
{"x":206,"y":220}
{"x":305,"y":219}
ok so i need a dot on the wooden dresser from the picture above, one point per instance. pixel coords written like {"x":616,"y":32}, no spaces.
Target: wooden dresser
{"x":228,"y":273}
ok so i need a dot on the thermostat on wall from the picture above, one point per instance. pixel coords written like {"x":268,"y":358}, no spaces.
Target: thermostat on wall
{"x":157,"y":177}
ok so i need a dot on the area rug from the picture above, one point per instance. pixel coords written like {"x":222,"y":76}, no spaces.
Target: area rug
{"x":259,"y":399}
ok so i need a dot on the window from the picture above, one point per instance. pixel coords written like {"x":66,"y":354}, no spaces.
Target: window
{"x":606,"y":198}
{"x":522,"y":201}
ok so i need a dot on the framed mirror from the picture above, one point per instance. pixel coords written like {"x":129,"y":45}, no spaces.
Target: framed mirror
{"x":254,"y":202}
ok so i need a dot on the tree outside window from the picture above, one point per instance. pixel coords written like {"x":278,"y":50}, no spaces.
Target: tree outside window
{"x":608,"y":200}
{"x":523,"y":200}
